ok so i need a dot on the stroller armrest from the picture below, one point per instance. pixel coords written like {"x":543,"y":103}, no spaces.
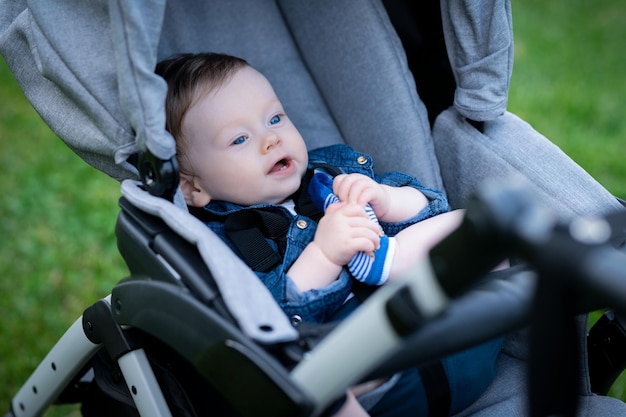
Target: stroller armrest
{"x":210,"y":343}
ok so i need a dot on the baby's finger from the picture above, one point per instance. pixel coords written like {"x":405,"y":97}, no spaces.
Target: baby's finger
{"x":361,"y":190}
{"x":340,"y":186}
{"x":364,"y":244}
{"x":333,"y":208}
{"x":343,"y":184}
{"x":362,"y":193}
{"x":365,"y":229}
{"x":351,"y":210}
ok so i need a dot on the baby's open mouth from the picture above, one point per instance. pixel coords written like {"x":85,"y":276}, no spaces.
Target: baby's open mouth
{"x":281,"y":165}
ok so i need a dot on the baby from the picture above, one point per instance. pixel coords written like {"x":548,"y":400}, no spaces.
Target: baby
{"x":236,"y":144}
{"x":238,"y":151}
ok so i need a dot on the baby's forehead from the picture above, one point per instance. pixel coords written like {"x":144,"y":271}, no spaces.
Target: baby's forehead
{"x":244,"y":93}
{"x":250,"y":84}
{"x":252,"y":75}
{"x":251,"y":80}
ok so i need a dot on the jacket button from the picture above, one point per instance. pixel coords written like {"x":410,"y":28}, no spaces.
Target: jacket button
{"x":361,"y":160}
{"x":302,"y":224}
{"x":296,"y":320}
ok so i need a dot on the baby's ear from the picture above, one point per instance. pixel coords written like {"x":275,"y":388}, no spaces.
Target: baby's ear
{"x":194,"y":195}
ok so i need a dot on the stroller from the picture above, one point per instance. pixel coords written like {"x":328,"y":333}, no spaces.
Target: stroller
{"x":192,"y":331}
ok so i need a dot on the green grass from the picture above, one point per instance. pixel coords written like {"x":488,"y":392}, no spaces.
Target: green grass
{"x":58,"y":253}
{"x":568,"y":80}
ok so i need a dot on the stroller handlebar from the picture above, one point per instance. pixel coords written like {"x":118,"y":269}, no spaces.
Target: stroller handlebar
{"x":502,"y":219}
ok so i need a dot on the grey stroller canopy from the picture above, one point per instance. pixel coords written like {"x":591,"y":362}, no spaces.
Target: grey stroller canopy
{"x":345,"y":73}
{"x":94,"y":65}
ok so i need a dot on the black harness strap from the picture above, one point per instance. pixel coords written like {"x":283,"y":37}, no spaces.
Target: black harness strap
{"x":437,"y":389}
{"x":247,"y":229}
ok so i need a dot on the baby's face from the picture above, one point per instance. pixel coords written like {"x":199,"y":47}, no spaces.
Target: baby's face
{"x":242,"y":146}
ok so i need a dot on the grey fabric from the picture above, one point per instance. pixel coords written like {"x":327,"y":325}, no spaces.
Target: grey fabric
{"x":479,"y":40}
{"x":64,"y":58}
{"x":247,"y":298}
{"x":510,"y":146}
{"x":371,"y":398}
{"x":9,"y":12}
{"x":507,"y":396}
{"x":597,"y":405}
{"x":135,"y":27}
{"x":87,"y":68}
{"x":312,"y":71}
{"x":192,"y":26}
{"x":516,"y":346}
{"x":378,"y":111}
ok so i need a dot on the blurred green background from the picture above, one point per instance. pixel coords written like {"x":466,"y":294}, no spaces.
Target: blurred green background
{"x":58,"y":251}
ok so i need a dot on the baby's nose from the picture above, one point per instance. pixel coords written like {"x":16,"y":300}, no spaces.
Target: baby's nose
{"x":271,"y":140}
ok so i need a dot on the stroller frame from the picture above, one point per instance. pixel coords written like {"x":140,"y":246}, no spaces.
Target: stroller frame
{"x":300,"y":379}
{"x":98,"y":326}
{"x":66,"y":361}
{"x":399,"y":311}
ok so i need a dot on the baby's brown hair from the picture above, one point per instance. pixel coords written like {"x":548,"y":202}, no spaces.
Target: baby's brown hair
{"x":190,"y":77}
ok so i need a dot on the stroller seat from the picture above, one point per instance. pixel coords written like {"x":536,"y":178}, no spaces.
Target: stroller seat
{"x":341,"y":71}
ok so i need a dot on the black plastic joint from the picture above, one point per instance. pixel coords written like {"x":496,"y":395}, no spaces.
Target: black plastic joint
{"x":100,"y":328}
{"x":403,"y":314}
{"x":160,"y":177}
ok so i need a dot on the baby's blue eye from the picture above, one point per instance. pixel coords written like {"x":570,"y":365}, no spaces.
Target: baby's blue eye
{"x":239,"y":140}
{"x":275,"y":120}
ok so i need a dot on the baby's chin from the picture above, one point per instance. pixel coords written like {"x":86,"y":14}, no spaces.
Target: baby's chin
{"x":284,"y":198}
{"x":283,"y":201}
{"x":288,"y":192}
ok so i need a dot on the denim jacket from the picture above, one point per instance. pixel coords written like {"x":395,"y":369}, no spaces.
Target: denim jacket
{"x":319,"y":305}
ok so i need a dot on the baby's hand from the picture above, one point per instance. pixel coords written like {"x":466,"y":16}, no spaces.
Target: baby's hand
{"x":344,"y":230}
{"x":359,"y":189}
